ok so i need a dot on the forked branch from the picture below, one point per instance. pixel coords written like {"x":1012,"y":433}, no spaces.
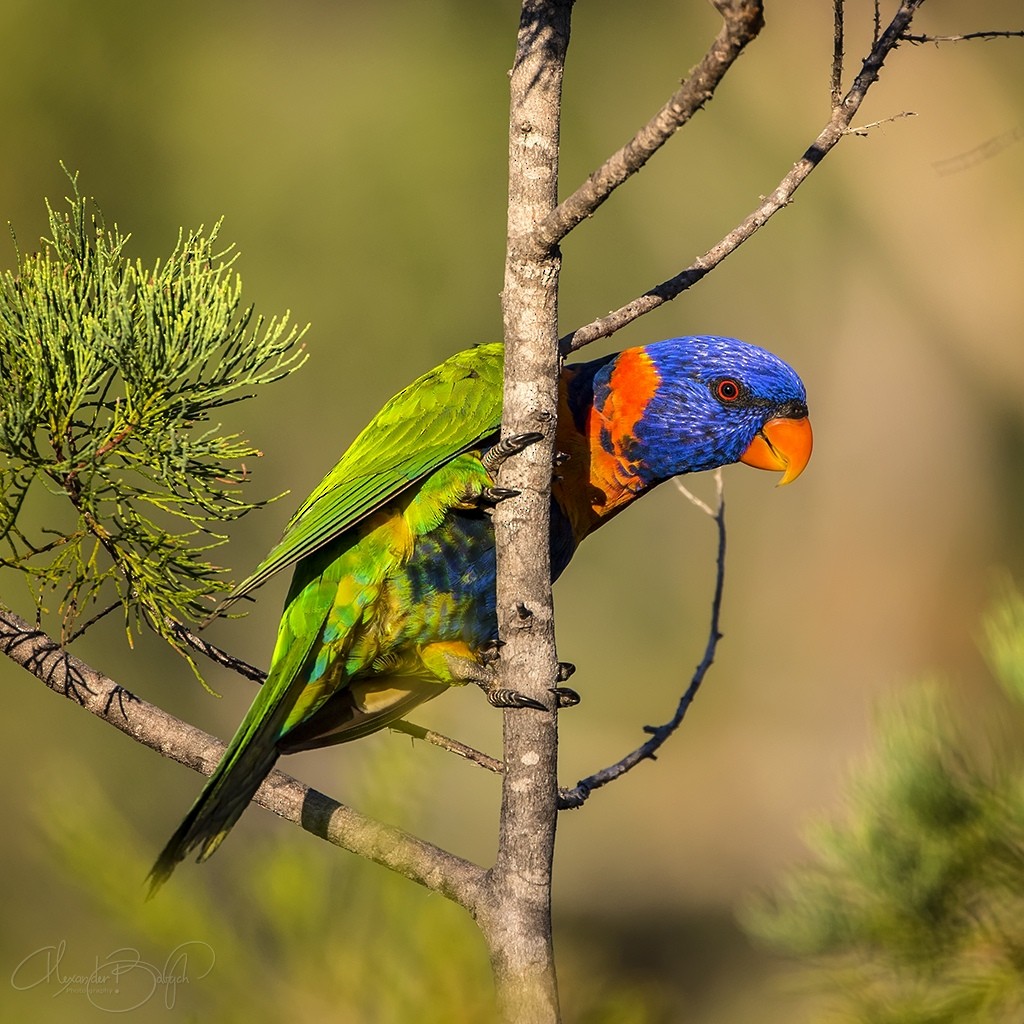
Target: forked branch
{"x":742,"y":21}
{"x":837,"y":126}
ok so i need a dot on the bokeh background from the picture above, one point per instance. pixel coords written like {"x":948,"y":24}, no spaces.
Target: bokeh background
{"x":357,"y":154}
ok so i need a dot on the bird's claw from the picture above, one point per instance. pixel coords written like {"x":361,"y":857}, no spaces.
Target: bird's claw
{"x":492,"y":495}
{"x":506,"y":447}
{"x":565,"y":697}
{"x":513,"y":699}
{"x":500,"y":697}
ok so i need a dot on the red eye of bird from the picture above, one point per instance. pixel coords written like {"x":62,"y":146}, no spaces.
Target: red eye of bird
{"x":727,"y":390}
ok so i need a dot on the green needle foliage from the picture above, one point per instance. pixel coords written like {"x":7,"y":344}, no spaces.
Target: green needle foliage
{"x":912,"y":910}
{"x":111,"y":373}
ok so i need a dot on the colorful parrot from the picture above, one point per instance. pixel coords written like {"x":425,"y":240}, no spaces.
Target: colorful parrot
{"x":393,"y":596}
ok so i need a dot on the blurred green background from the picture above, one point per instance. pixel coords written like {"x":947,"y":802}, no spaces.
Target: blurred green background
{"x":357,"y":152}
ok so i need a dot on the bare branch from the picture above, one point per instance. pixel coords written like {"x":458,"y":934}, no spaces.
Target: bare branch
{"x":492,"y":764}
{"x":113,"y":606}
{"x":578,"y":794}
{"x":836,"y":128}
{"x":1006,"y":34}
{"x":214,"y":653}
{"x":743,"y":20}
{"x":422,"y":862}
{"x":517,"y":923}
{"x":838,"y":33}
{"x":863,"y":129}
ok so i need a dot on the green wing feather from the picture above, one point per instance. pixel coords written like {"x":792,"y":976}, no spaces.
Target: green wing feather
{"x":446,"y":411}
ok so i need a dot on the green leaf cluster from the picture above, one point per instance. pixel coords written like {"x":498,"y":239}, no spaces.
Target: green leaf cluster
{"x":912,"y":909}
{"x":112,"y":373}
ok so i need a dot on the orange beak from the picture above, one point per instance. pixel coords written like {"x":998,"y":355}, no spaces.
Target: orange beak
{"x":782,"y":444}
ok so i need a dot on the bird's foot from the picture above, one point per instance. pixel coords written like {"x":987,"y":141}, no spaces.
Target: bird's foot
{"x":502,"y":698}
{"x":506,"y":447}
{"x":486,"y":677}
{"x":483,"y":672}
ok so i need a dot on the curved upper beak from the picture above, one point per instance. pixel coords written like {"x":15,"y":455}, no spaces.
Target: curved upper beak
{"x":783,"y":444}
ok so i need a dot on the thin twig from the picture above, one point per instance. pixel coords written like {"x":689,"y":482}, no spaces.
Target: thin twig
{"x":420,"y":861}
{"x":578,"y":794}
{"x":837,"y":127}
{"x":213,"y":652}
{"x":700,"y":502}
{"x":492,"y":764}
{"x":863,"y":129}
{"x":838,"y":32}
{"x":91,"y":622}
{"x":1007,"y":34}
{"x":742,"y":21}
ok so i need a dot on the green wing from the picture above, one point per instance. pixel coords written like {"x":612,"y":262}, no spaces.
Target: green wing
{"x":447,"y":411}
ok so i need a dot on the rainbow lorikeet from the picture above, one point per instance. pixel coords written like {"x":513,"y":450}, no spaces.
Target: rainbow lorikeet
{"x":392,"y":599}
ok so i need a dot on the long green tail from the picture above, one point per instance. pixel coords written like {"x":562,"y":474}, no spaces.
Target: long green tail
{"x":250,"y":756}
{"x":246,"y":763}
